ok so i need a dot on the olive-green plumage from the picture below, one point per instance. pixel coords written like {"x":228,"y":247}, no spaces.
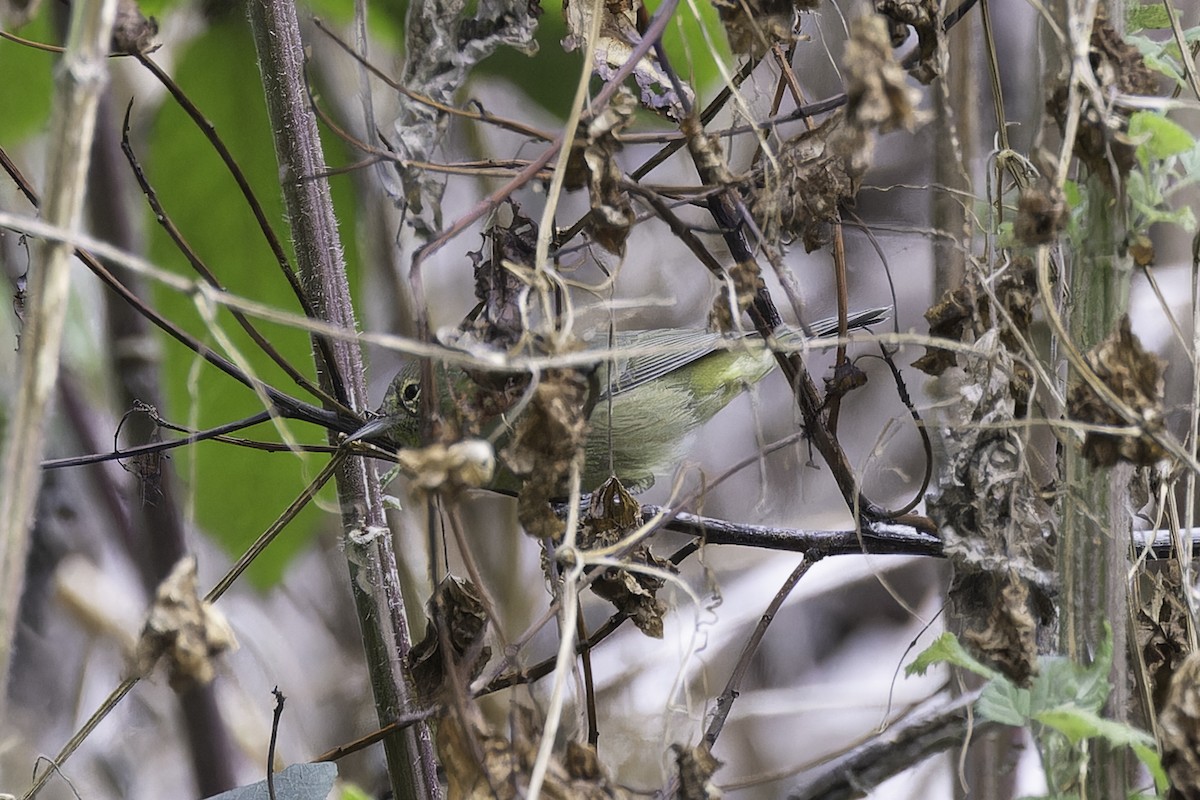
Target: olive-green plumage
{"x":673,"y":382}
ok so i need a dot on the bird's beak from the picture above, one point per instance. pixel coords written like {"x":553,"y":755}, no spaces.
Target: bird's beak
{"x":375,"y":427}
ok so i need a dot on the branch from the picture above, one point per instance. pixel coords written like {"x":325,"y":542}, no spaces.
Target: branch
{"x":80,"y":81}
{"x":368,"y":541}
{"x":897,"y":749}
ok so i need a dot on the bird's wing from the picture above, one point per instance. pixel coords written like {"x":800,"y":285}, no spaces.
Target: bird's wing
{"x":644,"y":356}
{"x":856,"y":319}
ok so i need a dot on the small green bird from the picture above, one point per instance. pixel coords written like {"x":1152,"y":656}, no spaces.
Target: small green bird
{"x":647,"y":406}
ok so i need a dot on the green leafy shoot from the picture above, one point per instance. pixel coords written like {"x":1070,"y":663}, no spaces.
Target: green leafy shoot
{"x":947,"y":650}
{"x":1158,"y":137}
{"x":1166,"y":155}
{"x":1064,"y":699}
{"x":1149,"y":15}
{"x":1164,"y":57}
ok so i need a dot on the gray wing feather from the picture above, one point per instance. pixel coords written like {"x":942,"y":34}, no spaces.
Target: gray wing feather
{"x":672,"y":348}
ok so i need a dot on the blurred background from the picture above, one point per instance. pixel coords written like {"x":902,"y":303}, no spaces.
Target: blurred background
{"x":829,"y":672}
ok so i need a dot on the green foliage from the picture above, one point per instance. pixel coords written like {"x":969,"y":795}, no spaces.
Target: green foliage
{"x":1061,"y":707}
{"x":238,"y":492}
{"x":27,"y":85}
{"x":695,"y":43}
{"x":1164,"y":56}
{"x":1167,"y":156}
{"x":946,"y":649}
{"x":1157,"y":136}
{"x":350,"y":791}
{"x":1150,"y":15}
{"x":385,"y":21}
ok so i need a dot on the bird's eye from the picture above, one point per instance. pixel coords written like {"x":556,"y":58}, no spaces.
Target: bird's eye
{"x":410,"y":394}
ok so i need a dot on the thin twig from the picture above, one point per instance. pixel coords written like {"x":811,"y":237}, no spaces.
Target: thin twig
{"x":202,"y":269}
{"x":733,"y":685}
{"x":279,"y":701}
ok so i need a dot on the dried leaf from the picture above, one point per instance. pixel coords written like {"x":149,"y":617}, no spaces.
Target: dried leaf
{"x":1179,"y":731}
{"x":132,"y":32}
{"x":618,"y":35}
{"x":846,"y":378}
{"x":817,"y":171}
{"x":752,"y":26}
{"x":1008,"y":638}
{"x":1118,"y":69}
{"x":548,"y":439}
{"x":965,"y":313}
{"x":612,"y":214}
{"x":706,"y":151}
{"x":184,"y":629}
{"x":468,"y":463}
{"x":746,"y":280}
{"x":1141,"y":250}
{"x":444,"y":40}
{"x":878,"y":94}
{"x":925,"y":17}
{"x":696,"y":766}
{"x":482,"y":764}
{"x":511,"y":239}
{"x":950,"y":318}
{"x":456,"y":616}
{"x":1161,"y":626}
{"x":613,"y":514}
{"x":1041,"y":214}
{"x":1135,"y":377}
{"x":994,"y":523}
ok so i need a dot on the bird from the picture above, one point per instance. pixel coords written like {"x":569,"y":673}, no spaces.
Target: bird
{"x":652,"y":390}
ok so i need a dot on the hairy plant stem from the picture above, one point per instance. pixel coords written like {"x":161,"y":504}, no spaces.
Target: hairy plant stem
{"x":81,"y":76}
{"x":1094,"y":539}
{"x":367,"y":539}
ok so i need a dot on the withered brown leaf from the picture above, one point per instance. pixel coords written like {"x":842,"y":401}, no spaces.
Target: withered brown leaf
{"x":183,"y":628}
{"x":1135,"y":377}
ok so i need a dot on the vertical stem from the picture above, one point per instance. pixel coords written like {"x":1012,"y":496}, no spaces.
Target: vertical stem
{"x":81,"y":76}
{"x":368,"y":541}
{"x":1095,"y":527}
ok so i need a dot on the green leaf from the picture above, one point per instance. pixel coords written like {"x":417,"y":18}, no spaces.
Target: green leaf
{"x":1157,"y":57}
{"x":1159,"y":136}
{"x":1078,"y":724}
{"x":1072,"y":194}
{"x":1094,"y":686}
{"x":1075,"y":723}
{"x":1004,"y":702}
{"x":1148,"y":755}
{"x":28,"y":84}
{"x":352,"y":791}
{"x":1060,"y":681}
{"x":238,"y":492}
{"x":946,"y":649}
{"x":689,"y":43}
{"x":1151,"y":15}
